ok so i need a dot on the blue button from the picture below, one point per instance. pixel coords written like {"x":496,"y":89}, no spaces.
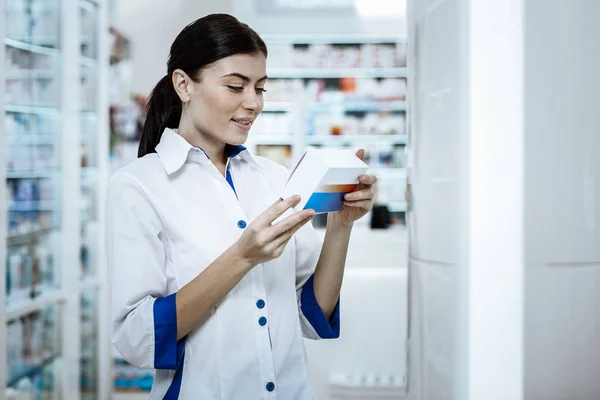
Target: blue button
{"x":262,"y":321}
{"x":241,"y":224}
{"x":260,"y":303}
{"x":270,"y":386}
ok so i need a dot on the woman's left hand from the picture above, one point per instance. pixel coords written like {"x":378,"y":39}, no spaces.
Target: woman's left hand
{"x":358,"y":203}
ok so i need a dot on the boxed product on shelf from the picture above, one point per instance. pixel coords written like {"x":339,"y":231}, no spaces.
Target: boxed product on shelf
{"x":130,"y":379}
{"x":273,"y":124}
{"x":323,"y":55}
{"x":365,"y":124}
{"x":281,"y":154}
{"x":20,"y":62}
{"x":29,"y":128}
{"x":32,"y":92}
{"x":32,"y":341}
{"x":29,"y":270}
{"x":316,"y":90}
{"x":32,"y":21}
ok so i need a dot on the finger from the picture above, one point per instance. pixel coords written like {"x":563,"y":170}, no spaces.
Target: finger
{"x":361,"y":154}
{"x":367,"y":179}
{"x":289,"y":222}
{"x":288,"y":234}
{"x":276,"y":210}
{"x":365,"y":194}
{"x":366,"y":205}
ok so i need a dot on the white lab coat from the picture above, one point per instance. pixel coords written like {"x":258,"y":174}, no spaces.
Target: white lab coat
{"x":169,"y":215}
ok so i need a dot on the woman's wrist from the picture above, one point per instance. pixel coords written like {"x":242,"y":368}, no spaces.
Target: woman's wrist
{"x":335,"y":224}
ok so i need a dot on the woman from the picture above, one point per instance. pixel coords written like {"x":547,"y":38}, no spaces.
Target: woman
{"x":205,"y":289}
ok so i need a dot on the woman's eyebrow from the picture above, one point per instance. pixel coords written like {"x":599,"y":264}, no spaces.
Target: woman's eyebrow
{"x":243,"y":77}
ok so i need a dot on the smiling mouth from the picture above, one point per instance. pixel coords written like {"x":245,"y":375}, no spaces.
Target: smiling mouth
{"x":243,"y":121}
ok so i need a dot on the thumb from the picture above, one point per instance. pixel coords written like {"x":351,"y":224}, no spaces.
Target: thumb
{"x":361,"y":154}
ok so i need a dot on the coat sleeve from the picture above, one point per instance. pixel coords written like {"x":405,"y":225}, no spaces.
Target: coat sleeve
{"x":144,"y":317}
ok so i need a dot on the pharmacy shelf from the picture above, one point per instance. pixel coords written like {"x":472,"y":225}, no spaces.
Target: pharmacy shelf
{"x":16,"y":309}
{"x":278,"y":106}
{"x":33,"y":48}
{"x":29,"y":140}
{"x":271,"y":140}
{"x":88,"y":62}
{"x":324,"y":73}
{"x":27,"y":109}
{"x":33,"y":174}
{"x":356,"y":140}
{"x":31,"y":74}
{"x":33,"y":370}
{"x":33,"y":205}
{"x":18,"y":240}
{"x":386,"y":173}
{"x":358,"y":106}
{"x":89,"y":282}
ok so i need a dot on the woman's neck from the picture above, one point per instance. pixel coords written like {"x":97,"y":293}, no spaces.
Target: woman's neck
{"x":214,"y":150}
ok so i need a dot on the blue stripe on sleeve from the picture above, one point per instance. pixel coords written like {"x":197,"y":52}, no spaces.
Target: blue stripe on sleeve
{"x":168,"y":352}
{"x":313,"y":313}
{"x":175,"y":387}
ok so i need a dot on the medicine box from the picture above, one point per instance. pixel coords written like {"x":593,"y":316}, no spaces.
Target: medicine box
{"x":322,"y":177}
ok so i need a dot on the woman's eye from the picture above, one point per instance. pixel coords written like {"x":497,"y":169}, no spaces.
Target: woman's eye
{"x":260,"y":91}
{"x":236,"y":88}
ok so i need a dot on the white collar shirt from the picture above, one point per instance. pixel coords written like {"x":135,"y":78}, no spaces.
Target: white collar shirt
{"x":170,"y":214}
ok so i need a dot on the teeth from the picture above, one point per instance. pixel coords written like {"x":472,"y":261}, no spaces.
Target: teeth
{"x":242,"y":122}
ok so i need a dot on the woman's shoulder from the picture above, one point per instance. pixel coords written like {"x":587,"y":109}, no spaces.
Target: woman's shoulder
{"x":140,"y":171}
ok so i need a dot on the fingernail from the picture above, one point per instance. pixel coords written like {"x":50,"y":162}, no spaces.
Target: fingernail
{"x":296,"y":198}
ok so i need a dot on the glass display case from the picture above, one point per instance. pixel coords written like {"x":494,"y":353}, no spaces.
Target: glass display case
{"x":55,"y":290}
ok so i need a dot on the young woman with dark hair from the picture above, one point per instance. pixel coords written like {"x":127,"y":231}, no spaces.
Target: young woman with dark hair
{"x":205,"y":288}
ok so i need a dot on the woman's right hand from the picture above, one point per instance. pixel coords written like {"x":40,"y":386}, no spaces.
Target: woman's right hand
{"x":264,"y":241}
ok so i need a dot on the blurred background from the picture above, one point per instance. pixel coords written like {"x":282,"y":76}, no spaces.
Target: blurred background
{"x":476,"y":276}
{"x":75,"y":77}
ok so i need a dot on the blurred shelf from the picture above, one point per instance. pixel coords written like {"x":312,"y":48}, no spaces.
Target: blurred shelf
{"x":33,"y":174}
{"x":359,"y":106}
{"x":336,"y":73}
{"x":278,"y":106}
{"x":88,"y":62}
{"x":29,"y":371}
{"x":38,"y":48}
{"x":398,"y":206}
{"x":271,"y":140}
{"x":31,"y":74}
{"x":88,"y":3}
{"x":386,"y":173}
{"x":332,"y":39}
{"x":18,"y":240}
{"x":89,"y":282}
{"x":27,"y":206}
{"x":14,"y":108}
{"x":356,"y":139}
{"x":16,"y":308}
{"x":30,"y":140}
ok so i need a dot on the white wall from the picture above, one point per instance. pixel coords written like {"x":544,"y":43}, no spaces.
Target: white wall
{"x":515,"y":229}
{"x":437,"y":94}
{"x":151,"y":26}
{"x":562,"y":329}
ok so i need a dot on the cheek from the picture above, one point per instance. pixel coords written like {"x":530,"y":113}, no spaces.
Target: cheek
{"x":214,"y":106}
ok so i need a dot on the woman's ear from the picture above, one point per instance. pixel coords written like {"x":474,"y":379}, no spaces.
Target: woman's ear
{"x":182,"y":84}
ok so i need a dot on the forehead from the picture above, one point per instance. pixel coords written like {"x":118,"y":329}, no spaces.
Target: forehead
{"x":253,"y":66}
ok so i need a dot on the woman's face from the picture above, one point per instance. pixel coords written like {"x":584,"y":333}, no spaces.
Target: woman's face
{"x":229,"y":96}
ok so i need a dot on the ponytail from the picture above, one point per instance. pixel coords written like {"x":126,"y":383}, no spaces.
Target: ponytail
{"x":163,"y":110}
